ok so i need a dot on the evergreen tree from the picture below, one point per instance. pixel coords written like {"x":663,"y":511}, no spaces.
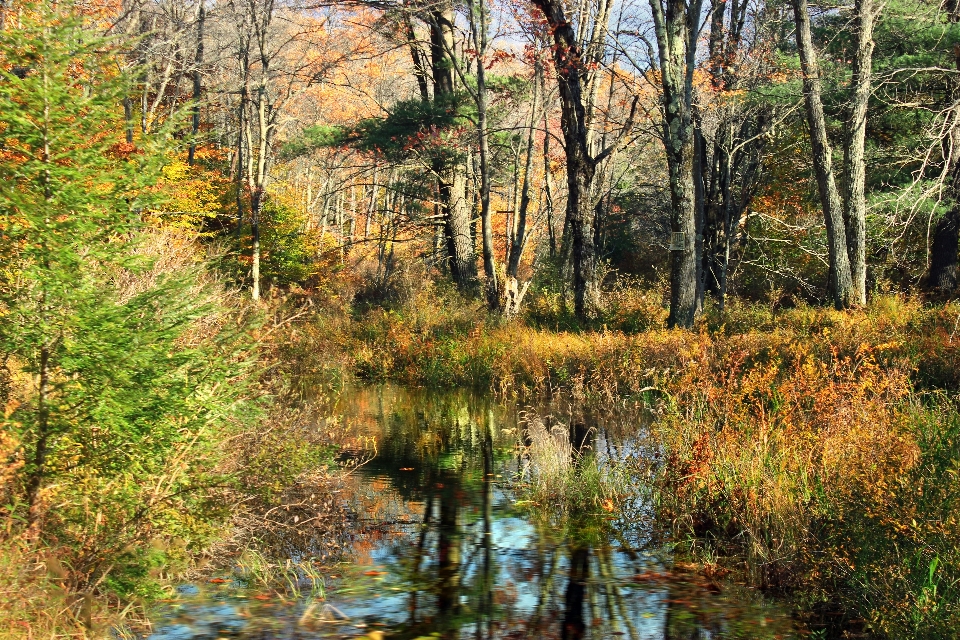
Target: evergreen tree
{"x":124,"y":383}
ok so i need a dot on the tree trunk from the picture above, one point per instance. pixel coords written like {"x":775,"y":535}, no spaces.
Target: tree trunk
{"x":452,"y":179}
{"x":548,"y":186}
{"x":460,"y":253}
{"x":416,"y":55}
{"x":854,"y":164}
{"x":259,"y":186}
{"x":39,"y":462}
{"x":581,"y":166}
{"x":943,"y":251}
{"x":520,"y":226}
{"x":840,"y":278}
{"x":372,"y":207}
{"x":676,"y":28}
{"x":197,"y":87}
{"x":478,"y":30}
{"x":515,"y":292}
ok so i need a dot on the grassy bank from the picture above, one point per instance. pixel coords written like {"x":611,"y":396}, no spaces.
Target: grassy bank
{"x":162,"y":446}
{"x":814,"y":451}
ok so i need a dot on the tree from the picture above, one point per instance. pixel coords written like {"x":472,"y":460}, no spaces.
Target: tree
{"x":943,"y":271}
{"x":120,"y":393}
{"x":732,"y":121}
{"x":845,"y":217}
{"x":451,"y":178}
{"x":677,"y":27}
{"x":577,"y":66}
{"x":479,"y":42}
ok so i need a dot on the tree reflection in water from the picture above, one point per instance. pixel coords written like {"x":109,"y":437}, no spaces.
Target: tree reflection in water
{"x":474,"y":565}
{"x":445,"y":550}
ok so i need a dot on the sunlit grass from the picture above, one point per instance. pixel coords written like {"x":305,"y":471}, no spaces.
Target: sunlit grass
{"x":790,"y":442}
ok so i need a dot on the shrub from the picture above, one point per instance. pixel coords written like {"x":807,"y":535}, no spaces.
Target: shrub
{"x":126,"y":371}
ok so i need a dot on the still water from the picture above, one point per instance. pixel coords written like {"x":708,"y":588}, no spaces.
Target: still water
{"x":448,"y":542}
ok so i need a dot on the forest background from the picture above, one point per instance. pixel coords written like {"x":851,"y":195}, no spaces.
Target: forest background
{"x":744,"y":212}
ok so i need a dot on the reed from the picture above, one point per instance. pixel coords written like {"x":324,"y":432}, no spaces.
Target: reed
{"x":810,"y":448}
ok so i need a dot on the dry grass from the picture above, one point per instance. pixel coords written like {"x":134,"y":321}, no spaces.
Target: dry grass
{"x":36,"y":604}
{"x":791,"y":442}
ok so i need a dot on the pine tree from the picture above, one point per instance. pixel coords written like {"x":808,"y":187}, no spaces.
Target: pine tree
{"x":124,"y":385}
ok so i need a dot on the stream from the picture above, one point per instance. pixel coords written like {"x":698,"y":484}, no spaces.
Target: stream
{"x":448,"y":544}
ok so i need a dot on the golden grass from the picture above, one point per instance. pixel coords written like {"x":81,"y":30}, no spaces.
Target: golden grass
{"x":792,"y":441}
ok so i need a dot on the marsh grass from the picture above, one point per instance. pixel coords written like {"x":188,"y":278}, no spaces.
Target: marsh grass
{"x":295,"y":578}
{"x":565,"y":479}
{"x":807,"y":448}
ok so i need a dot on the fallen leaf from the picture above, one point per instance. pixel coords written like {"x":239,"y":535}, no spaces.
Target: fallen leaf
{"x":218,"y":580}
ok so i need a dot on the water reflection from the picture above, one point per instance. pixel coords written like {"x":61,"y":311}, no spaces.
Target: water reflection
{"x":444,"y":550}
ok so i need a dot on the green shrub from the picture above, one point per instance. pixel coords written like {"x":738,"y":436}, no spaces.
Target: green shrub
{"x":128,"y":373}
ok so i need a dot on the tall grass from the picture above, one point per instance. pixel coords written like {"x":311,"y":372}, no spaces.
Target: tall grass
{"x":814,"y":449}
{"x":109,"y":536}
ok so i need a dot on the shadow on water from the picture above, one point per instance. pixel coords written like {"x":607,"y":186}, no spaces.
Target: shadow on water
{"x":445,"y":548}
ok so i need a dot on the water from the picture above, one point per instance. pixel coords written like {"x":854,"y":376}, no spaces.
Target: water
{"x":448,"y":545}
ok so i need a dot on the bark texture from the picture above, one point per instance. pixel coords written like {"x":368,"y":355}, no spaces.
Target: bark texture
{"x":943,"y":251}
{"x":855,"y":213}
{"x":581,"y":167}
{"x":452,"y":180}
{"x":840,"y":277}
{"x":197,"y":85}
{"x":676,"y":25}
{"x":942,"y":275}
{"x":478,"y":32}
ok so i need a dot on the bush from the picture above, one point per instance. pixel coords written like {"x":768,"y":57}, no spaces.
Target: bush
{"x":128,"y":364}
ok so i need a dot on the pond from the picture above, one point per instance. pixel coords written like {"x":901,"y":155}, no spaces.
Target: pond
{"x":450,"y":542}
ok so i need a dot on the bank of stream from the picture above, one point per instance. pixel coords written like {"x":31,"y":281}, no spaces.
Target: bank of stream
{"x":450,"y":541}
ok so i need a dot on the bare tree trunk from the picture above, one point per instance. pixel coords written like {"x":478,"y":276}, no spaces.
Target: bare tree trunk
{"x":460,"y":253}
{"x":128,"y":118}
{"x":243,"y":129}
{"x":452,"y":179}
{"x":548,"y":186}
{"x":854,"y":164}
{"x":259,"y":186}
{"x":39,"y":462}
{"x":478,"y":31}
{"x":373,"y":206}
{"x":841,"y":280}
{"x":943,"y":251}
{"x":676,"y":25}
{"x":943,"y":272}
{"x":416,"y":55}
{"x":514,"y":291}
{"x":197,"y":87}
{"x":581,"y":166}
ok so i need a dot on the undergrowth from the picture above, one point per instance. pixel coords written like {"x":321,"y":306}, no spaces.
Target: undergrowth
{"x":189,"y":471}
{"x":815,"y":451}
